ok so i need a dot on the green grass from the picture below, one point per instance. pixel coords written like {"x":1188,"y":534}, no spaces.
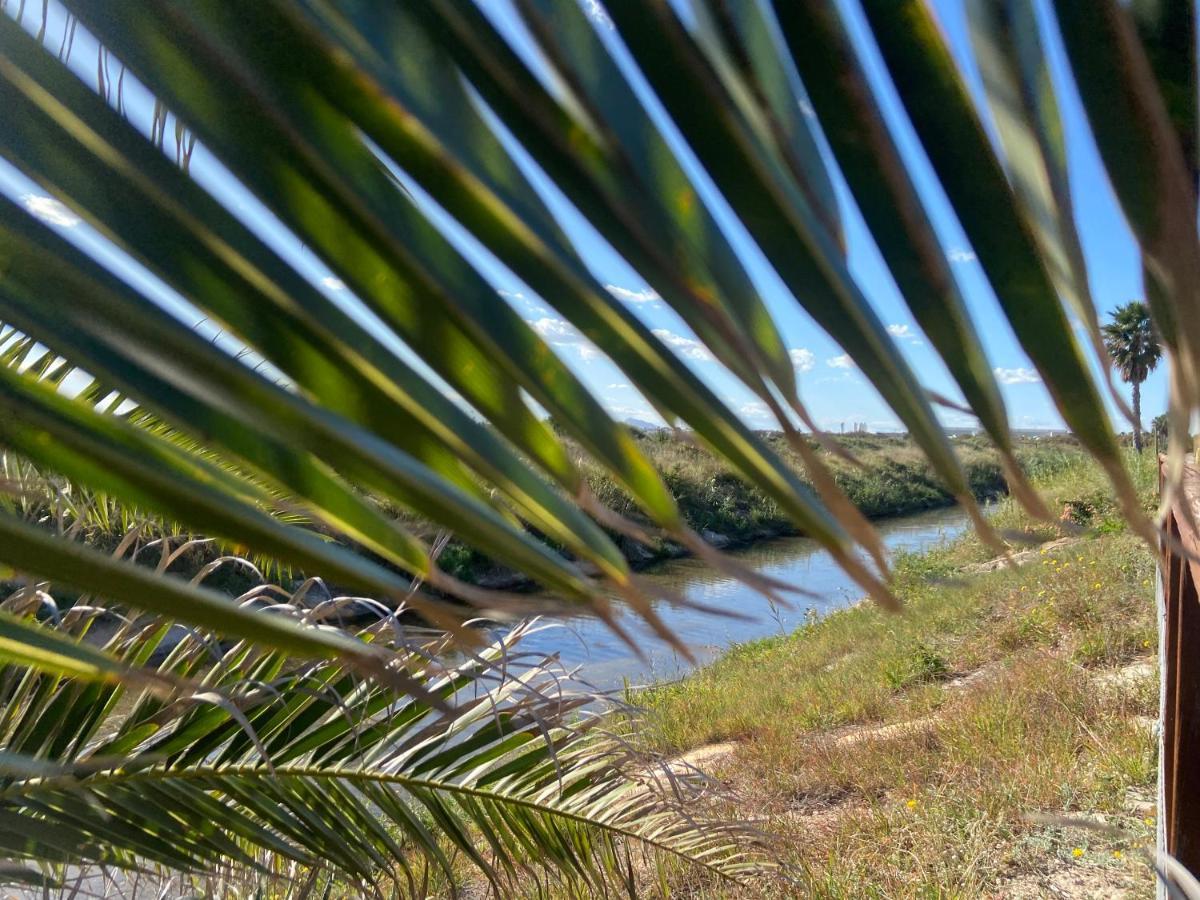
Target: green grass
{"x":997,"y":675}
{"x":938,"y":810}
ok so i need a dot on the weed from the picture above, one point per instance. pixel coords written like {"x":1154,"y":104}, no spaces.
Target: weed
{"x":920,"y":666}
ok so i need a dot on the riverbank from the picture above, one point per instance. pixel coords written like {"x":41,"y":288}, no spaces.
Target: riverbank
{"x":893,"y":479}
{"x":903,"y":756}
{"x":608,"y":663}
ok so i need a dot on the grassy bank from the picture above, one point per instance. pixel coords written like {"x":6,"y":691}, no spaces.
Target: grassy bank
{"x":892,"y":479}
{"x":899,"y":756}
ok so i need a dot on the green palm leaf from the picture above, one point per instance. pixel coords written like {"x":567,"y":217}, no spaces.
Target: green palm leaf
{"x":1022,"y":100}
{"x":941,"y":112}
{"x":238,"y":775}
{"x":871,"y":162}
{"x":1148,"y":167}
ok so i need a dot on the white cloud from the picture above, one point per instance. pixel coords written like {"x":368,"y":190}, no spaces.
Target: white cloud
{"x":755,"y":409}
{"x":959,"y":255}
{"x":562,"y":334}
{"x":802,"y":359}
{"x":647,"y":295}
{"x":684,"y":346}
{"x":334,"y":284}
{"x":806,"y":109}
{"x":1017,"y":376}
{"x":840,"y":362}
{"x":49,"y":210}
{"x":905,"y":333}
{"x":617,"y":387}
{"x":527,"y":305}
{"x":555,"y":329}
{"x":594,"y":11}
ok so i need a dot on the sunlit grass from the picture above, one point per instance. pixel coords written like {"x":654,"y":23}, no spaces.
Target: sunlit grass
{"x":1001,"y":679}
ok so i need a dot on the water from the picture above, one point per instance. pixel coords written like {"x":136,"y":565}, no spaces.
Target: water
{"x":607,"y":662}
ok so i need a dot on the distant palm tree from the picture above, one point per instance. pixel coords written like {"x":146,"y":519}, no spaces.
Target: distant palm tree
{"x":1134,"y":349}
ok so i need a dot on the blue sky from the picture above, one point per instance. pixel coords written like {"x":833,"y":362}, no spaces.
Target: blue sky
{"x":835,"y":392}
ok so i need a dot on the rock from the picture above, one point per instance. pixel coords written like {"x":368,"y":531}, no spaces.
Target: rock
{"x":719,"y":541}
{"x":703,"y":757}
{"x":912,"y":728}
{"x":1137,"y":673}
{"x":636,"y":552}
{"x":175,"y":634}
{"x":505,"y":580}
{"x":346,"y":611}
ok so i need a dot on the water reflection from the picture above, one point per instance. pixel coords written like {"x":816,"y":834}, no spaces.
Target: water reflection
{"x":608,"y":662}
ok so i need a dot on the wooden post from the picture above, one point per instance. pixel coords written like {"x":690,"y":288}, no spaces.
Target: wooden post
{"x":1179,"y":794}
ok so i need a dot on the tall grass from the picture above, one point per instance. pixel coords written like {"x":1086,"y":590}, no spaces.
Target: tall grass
{"x":116,"y":527}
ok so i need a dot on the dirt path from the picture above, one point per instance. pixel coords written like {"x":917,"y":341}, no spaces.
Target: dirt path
{"x":1071,"y":881}
{"x":1060,"y":879}
{"x":1019,"y":558}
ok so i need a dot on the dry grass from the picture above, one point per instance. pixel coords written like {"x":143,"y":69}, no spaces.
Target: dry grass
{"x":1005,"y":682}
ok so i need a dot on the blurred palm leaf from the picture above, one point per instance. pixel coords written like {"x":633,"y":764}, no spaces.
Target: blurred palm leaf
{"x":405,"y":148}
{"x":287,"y":97}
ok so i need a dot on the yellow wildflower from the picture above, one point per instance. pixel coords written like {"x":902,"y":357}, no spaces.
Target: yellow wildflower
{"x":1096,"y":586}
{"x":1149,"y":820}
{"x":1077,"y":852}
{"x":1117,"y":854}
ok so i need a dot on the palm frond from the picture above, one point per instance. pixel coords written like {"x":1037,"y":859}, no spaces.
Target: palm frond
{"x":259,"y":763}
{"x":339,"y":128}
